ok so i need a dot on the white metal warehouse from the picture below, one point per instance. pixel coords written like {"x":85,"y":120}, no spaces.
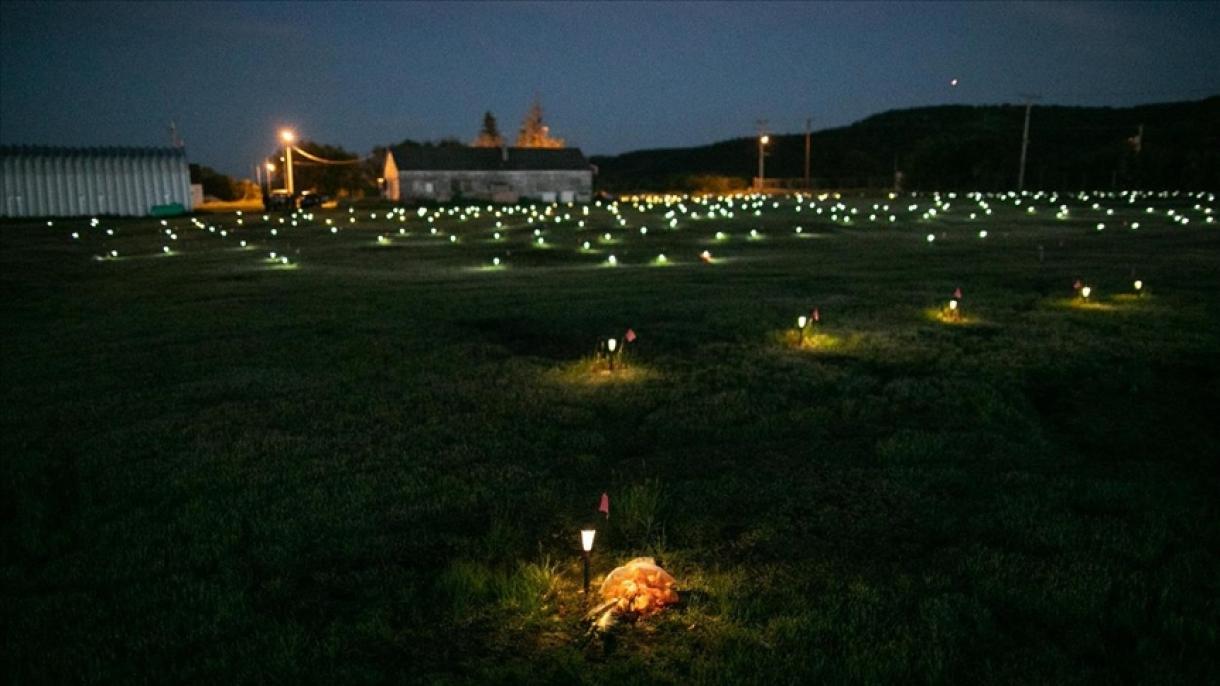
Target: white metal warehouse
{"x":39,"y":181}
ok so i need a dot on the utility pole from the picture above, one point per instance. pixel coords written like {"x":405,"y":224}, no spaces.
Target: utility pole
{"x":288,"y":168}
{"x":1029,"y":104}
{"x":808,"y":123}
{"x":763,"y":139}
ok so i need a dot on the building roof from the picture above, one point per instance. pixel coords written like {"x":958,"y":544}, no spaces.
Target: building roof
{"x":488,"y":159}
{"x":57,"y":151}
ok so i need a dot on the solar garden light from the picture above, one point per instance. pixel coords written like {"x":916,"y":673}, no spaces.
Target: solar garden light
{"x":954,"y":313}
{"x":801,"y":322}
{"x":1139,"y":287}
{"x":586,"y":547}
{"x":611,"y":345}
{"x":1085,"y":292}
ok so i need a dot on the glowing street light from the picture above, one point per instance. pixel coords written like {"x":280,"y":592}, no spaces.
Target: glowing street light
{"x":586,"y":547}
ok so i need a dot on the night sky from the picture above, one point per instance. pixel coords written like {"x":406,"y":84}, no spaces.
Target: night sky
{"x":612,"y":77}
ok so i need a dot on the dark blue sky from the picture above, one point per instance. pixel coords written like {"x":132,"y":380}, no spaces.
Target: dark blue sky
{"x":613,"y":77}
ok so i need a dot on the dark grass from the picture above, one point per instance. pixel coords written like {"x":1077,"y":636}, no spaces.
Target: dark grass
{"x":372,"y":466}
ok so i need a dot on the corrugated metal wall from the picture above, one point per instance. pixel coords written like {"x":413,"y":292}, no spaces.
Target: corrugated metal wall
{"x":71,"y":182}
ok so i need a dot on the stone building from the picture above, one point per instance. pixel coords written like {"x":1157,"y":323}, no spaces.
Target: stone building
{"x":443,"y":174}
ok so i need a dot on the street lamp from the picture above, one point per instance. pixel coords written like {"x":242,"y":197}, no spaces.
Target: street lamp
{"x":586,"y":546}
{"x":763,"y":140}
{"x":289,"y":138}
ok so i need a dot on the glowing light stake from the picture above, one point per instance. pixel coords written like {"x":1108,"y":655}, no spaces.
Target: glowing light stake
{"x":1139,"y":287}
{"x":1085,"y":292}
{"x":611,"y":345}
{"x":495,"y":262}
{"x":586,"y":547}
{"x":801,"y":323}
{"x":706,"y":256}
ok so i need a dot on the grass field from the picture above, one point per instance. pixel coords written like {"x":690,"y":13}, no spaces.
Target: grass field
{"x":370,"y":464}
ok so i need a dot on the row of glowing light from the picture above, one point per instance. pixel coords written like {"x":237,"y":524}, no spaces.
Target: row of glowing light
{"x":931,"y":213}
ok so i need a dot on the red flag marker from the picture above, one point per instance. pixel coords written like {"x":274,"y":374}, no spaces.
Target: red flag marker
{"x":817,"y":317}
{"x":604,"y":506}
{"x":1077,"y":285}
{"x":629,"y":336}
{"x":957,"y":293}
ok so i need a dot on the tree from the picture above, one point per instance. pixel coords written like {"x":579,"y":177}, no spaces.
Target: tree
{"x":535,"y":134}
{"x":336,"y":180}
{"x":489,"y":136}
{"x":215,"y":184}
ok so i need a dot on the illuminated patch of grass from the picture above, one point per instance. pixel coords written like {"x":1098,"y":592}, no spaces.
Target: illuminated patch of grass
{"x":594,"y":372}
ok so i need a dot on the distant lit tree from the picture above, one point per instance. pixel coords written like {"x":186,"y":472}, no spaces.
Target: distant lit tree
{"x":489,"y":136}
{"x":535,"y":134}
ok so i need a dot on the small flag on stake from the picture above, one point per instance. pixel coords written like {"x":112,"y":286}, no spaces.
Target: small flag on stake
{"x":957,"y":293}
{"x":629,"y":336}
{"x":604,"y":506}
{"x":817,"y":317}
{"x":1077,"y":285}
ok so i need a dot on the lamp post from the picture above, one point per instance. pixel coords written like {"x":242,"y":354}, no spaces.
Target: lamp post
{"x":289,"y":138}
{"x":270,"y":167}
{"x":762,"y":173}
{"x":586,"y":546}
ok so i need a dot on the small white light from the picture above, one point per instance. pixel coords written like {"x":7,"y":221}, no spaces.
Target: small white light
{"x":801,"y":321}
{"x":953,"y":304}
{"x":612,"y":260}
{"x":931,"y":237}
{"x":1085,"y":291}
{"x":495,"y":261}
{"x":611,"y":344}
{"x":586,"y":539}
{"x":1139,"y":285}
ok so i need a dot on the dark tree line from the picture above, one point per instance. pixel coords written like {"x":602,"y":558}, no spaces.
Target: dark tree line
{"x":962,"y":147}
